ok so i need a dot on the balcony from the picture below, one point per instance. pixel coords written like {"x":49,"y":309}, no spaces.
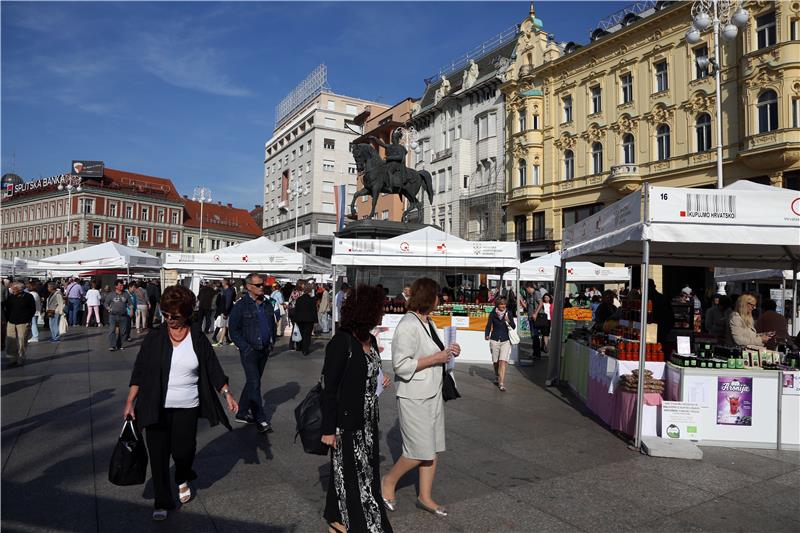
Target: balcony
{"x":772,"y":150}
{"x":625,"y":178}
{"x":525,"y":199}
{"x":442,"y":154}
{"x":283,"y":205}
{"x":525,"y":71}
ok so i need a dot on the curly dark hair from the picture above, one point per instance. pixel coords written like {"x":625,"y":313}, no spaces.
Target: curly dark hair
{"x":362,"y":311}
{"x":178,"y":300}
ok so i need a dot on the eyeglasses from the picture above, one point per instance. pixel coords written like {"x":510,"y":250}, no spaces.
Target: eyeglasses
{"x":751,"y":304}
{"x":169,"y":316}
{"x":261,"y":285}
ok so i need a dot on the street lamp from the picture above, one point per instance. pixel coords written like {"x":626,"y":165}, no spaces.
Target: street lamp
{"x":410,"y":138}
{"x":726,"y":16}
{"x":73,"y":184}
{"x":296,"y":192}
{"x":202,"y":195}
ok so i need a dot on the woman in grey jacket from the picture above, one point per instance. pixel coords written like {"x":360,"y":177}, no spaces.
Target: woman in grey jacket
{"x":417,"y":359}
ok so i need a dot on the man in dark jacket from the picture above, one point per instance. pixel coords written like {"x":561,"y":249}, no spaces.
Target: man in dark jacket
{"x":153,"y":296}
{"x":252,"y":327}
{"x":305,"y":316}
{"x":19,"y":310}
{"x":205,"y":302}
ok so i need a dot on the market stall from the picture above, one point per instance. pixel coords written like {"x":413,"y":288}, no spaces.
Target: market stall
{"x":694,"y":227}
{"x":425,"y":252}
{"x":765,"y":276}
{"x":544,"y":269}
{"x":257,"y":255}
{"x":108,"y":256}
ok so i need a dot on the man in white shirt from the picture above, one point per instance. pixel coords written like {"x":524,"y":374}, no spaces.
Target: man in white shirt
{"x":340,"y":297}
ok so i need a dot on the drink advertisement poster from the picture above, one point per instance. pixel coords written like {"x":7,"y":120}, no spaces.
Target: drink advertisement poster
{"x":735,"y":401}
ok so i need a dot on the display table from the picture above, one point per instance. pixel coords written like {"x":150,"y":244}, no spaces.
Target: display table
{"x":754,"y":420}
{"x":594,"y":378}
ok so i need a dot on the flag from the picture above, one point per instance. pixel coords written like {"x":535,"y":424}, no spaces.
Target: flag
{"x":340,"y":198}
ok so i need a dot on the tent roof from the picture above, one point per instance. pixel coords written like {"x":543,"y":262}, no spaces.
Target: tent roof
{"x":260,"y":254}
{"x":693,"y":227}
{"x":108,"y":255}
{"x":748,"y":274}
{"x":543,"y":269}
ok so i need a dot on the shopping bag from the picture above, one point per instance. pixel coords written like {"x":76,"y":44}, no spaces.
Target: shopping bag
{"x":513,"y":336}
{"x":39,"y":320}
{"x":62,"y":325}
{"x":129,"y":460}
{"x":296,"y":336}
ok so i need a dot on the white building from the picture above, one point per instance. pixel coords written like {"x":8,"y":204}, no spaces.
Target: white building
{"x":309,"y":152}
{"x":460,"y":122}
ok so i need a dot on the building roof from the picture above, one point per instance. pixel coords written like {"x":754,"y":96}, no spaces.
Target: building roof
{"x":223,"y":218}
{"x":132,"y":182}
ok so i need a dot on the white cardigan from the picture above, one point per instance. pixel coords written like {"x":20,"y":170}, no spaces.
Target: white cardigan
{"x":410,"y":343}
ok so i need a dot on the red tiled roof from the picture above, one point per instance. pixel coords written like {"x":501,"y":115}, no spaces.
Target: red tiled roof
{"x":221,"y":218}
{"x":124,"y":181}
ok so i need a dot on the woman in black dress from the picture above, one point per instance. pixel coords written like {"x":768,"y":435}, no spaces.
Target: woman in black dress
{"x":351,"y":374}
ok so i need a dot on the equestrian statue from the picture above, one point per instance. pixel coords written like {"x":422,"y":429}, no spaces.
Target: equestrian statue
{"x":390,"y":176}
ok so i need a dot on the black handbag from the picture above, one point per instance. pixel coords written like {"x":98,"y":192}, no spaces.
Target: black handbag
{"x":308,"y":417}
{"x":129,"y":459}
{"x":449,"y":389}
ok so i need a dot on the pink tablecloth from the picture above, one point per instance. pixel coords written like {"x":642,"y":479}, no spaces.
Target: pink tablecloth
{"x":624,"y":411}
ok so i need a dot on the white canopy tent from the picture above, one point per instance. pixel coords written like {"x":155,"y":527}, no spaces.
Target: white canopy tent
{"x":544,"y":269}
{"x":105,"y":256}
{"x":741,"y":226}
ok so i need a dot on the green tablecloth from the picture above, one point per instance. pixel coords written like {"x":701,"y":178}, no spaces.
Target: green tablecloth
{"x":575,"y":367}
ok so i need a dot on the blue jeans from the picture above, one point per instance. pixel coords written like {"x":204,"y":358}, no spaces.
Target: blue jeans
{"x":114,"y":338}
{"x":35,"y":328}
{"x":536,"y":341}
{"x":253,"y":362}
{"x":73,"y":306}
{"x":54,"y":320}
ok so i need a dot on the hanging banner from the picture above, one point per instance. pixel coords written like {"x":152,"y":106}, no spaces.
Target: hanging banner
{"x":726,"y":207}
{"x":735,"y":401}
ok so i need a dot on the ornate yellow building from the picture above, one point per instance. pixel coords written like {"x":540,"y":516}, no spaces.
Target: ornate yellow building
{"x":586,"y":125}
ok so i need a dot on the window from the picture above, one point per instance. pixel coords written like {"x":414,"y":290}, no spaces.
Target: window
{"x":329,"y":144}
{"x":294,"y":154}
{"x":597,"y":158}
{"x":160,"y":236}
{"x":538,"y":226}
{"x":567,"y":101}
{"x":573,"y":215}
{"x":536,"y":122}
{"x":144,"y":235}
{"x":331,"y":105}
{"x":112,"y":232}
{"x":597,"y":99}
{"x":535,"y":176}
{"x":767,"y":111}
{"x":145,"y":213}
{"x":796,"y":112}
{"x":300,"y":150}
{"x":458,"y":131}
{"x":569,"y":165}
{"x":626,"y":81}
{"x":442,"y":184}
{"x":328,"y":207}
{"x":522,"y":170}
{"x":327,"y":186}
{"x":385,"y":214}
{"x":765,"y":30}
{"x":520,"y":228}
{"x":662,"y":80}
{"x":662,"y":142}
{"x":174,"y":217}
{"x":173,"y":237}
{"x":700,"y":51}
{"x":112,"y":209}
{"x":466,"y":181}
{"x":88,"y":206}
{"x":449,"y":178}
{"x":190,"y":242}
{"x":328,"y":165}
{"x":161,"y":215}
{"x":351,"y":109}
{"x":330,"y":122}
{"x":628,"y":149}
{"x":702,"y":127}
{"x":351,"y":169}
{"x":128,"y":231}
{"x":794,"y":29}
{"x":522,"y":120}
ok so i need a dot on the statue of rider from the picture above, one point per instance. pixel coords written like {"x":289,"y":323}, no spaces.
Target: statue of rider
{"x":395,"y":158}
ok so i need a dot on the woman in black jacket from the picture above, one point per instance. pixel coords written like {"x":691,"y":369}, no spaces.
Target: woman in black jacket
{"x":499,"y":344}
{"x":351,"y":373}
{"x":175,"y":381}
{"x":305,"y":316}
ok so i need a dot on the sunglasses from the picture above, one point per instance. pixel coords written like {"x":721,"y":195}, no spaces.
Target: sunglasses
{"x":169,"y":316}
{"x":257,"y":285}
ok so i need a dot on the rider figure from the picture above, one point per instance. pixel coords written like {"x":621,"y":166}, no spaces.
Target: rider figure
{"x":395,"y":158}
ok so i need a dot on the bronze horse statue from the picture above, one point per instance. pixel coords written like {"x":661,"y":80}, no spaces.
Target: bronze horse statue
{"x":377,"y":179}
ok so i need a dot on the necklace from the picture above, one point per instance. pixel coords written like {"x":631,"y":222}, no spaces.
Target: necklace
{"x":173,"y":339}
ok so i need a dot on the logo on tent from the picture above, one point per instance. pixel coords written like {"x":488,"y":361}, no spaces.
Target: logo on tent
{"x":216,"y":258}
{"x":441,"y":248}
{"x":570,"y":271}
{"x":404,"y":247}
{"x":541,"y":269}
{"x":245,"y":258}
{"x":796,"y":206}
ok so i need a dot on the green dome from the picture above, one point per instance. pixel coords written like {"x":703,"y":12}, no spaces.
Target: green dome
{"x":537,"y":23}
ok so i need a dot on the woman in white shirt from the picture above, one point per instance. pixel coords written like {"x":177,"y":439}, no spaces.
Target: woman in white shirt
{"x":93,"y":305}
{"x":35,"y":321}
{"x":545,"y":307}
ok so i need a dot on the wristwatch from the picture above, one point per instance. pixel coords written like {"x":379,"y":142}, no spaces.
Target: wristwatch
{"x":225,"y":392}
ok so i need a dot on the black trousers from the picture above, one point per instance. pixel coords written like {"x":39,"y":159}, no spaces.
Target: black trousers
{"x":175,"y":435}
{"x":305,"y":330}
{"x":206,"y":320}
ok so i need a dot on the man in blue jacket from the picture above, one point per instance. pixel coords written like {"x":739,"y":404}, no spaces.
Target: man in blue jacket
{"x":252,"y":328}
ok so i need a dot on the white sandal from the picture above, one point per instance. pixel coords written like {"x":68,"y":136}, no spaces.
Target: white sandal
{"x":184,"y":493}
{"x":159,"y":515}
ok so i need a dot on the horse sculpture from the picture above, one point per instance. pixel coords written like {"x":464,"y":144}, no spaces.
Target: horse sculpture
{"x":376,"y":180}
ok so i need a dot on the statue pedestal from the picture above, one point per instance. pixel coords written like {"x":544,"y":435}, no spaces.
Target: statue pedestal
{"x":377,"y":229}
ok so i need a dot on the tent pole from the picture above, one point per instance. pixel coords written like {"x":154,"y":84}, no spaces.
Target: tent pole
{"x":642,"y":341}
{"x":333,"y":307}
{"x":794,"y":298}
{"x":557,"y":326}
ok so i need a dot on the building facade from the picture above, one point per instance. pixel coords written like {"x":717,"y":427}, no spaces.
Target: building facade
{"x":459,"y":120}
{"x":589,"y":124}
{"x":306,"y":158}
{"x":223,"y":225}
{"x":110,"y":207}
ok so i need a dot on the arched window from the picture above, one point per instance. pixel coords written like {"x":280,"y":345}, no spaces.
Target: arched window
{"x":702,"y":128}
{"x":522,"y":172}
{"x":767,"y":111}
{"x":628,"y":149}
{"x":569,"y":165}
{"x":597,"y":158}
{"x":662,"y":142}
{"x":522,"y":125}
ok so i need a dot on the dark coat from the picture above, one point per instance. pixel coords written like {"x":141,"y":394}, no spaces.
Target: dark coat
{"x":151,"y":374}
{"x":305,"y":309}
{"x":497,"y":328}
{"x":205,"y":297}
{"x":20,"y":308}
{"x":343,"y":396}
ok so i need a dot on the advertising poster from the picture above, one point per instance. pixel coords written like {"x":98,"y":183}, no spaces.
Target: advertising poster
{"x":735,"y":401}
{"x":680,"y":420}
{"x":791,"y":383}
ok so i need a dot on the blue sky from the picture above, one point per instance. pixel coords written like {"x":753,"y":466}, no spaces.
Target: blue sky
{"x":188,"y":90}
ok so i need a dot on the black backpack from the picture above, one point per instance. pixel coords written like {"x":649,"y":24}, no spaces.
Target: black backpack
{"x":308,"y":417}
